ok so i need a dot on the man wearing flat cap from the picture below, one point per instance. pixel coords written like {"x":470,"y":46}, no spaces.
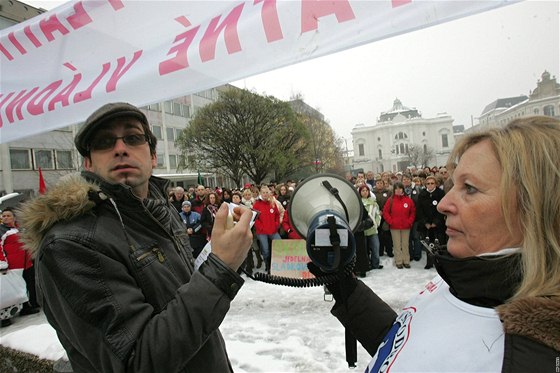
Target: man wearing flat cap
{"x":114,"y":265}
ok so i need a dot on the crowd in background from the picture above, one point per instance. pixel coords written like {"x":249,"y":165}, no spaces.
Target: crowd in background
{"x":402,"y":206}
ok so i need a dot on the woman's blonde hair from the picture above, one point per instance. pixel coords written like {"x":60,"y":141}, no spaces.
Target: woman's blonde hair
{"x":528,"y":150}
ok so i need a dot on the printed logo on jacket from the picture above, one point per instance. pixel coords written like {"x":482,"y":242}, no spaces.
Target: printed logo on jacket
{"x":394,"y":342}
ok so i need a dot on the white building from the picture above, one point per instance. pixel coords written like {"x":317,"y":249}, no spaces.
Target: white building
{"x":544,"y":100}
{"x":385,"y":145}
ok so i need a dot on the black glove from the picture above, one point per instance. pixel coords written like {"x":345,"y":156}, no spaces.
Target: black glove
{"x":340,"y":289}
{"x":365,"y":224}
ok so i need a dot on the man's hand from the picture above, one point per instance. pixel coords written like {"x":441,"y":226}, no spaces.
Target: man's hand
{"x":231,"y":245}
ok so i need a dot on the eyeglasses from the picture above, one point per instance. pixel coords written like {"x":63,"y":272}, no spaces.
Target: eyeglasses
{"x":105,"y":143}
{"x":430,"y":183}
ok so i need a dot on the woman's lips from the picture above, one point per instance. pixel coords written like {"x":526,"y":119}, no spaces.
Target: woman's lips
{"x":450,"y":231}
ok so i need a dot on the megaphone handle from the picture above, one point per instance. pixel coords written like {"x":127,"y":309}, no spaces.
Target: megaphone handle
{"x":334,"y":192}
{"x":335,"y":240}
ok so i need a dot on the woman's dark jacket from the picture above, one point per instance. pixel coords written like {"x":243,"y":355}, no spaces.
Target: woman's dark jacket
{"x":426,"y":209}
{"x":531,"y":325}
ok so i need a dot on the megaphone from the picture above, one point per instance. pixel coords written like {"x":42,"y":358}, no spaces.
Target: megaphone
{"x":326,"y":210}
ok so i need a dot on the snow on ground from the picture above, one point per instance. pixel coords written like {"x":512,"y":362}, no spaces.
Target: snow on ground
{"x":269,"y":328}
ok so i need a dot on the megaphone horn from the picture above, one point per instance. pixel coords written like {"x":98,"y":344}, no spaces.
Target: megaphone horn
{"x":323,"y":203}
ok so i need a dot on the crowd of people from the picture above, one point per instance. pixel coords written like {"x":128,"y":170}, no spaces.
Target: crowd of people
{"x":402,"y":206}
{"x":198,"y":206}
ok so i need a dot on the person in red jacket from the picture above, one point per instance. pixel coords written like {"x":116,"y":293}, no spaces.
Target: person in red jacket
{"x":13,"y":252}
{"x":267,"y":223}
{"x":399,"y":212}
{"x":288,"y":227}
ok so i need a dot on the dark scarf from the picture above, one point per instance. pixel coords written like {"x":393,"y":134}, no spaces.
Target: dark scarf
{"x":486,"y":281}
{"x":156,"y":203}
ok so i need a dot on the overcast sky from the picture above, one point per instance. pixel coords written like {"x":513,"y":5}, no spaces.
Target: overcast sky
{"x":457,"y":67}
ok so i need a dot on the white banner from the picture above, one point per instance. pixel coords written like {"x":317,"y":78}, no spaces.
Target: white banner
{"x":59,"y":67}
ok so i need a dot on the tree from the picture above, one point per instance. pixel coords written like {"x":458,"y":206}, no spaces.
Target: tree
{"x":325,"y":149}
{"x":244,"y":133}
{"x":418,"y":156}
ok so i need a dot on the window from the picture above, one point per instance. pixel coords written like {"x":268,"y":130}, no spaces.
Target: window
{"x":401,"y":146}
{"x":548,"y":110}
{"x":154,"y":107}
{"x":379,"y":139}
{"x":182,"y":161}
{"x":536,"y":111}
{"x":64,"y":160}
{"x":361,"y":150}
{"x":209,"y":94}
{"x":186,"y":111}
{"x":444,"y":142}
{"x":160,"y":160}
{"x":168,"y":107}
{"x":170,"y":134}
{"x":157,"y":132}
{"x":425,"y":148}
{"x":380,"y":153}
{"x":44,"y":159}
{"x":177,"y":109}
{"x":20,"y":159}
{"x":397,"y":149}
{"x":173,"y":161}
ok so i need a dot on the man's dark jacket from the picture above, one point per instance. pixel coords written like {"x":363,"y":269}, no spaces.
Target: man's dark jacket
{"x":116,"y":280}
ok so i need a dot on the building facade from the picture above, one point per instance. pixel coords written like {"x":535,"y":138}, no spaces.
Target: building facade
{"x":398,"y":132}
{"x":543,"y":100}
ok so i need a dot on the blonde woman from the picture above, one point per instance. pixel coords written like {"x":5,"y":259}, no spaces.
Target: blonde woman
{"x":499,"y":279}
{"x":247,"y":199}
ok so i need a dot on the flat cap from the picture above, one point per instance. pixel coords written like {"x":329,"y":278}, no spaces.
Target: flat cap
{"x":101,"y":116}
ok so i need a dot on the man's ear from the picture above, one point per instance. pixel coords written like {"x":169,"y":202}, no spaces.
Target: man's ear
{"x":154,"y":160}
{"x":87,"y":164}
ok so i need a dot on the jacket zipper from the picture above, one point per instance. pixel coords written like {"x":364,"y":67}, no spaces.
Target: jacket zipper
{"x":155,"y":251}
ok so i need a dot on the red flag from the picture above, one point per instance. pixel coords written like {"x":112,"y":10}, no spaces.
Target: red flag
{"x":42,"y":185}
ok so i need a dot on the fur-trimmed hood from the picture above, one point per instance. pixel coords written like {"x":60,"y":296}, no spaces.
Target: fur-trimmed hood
{"x":537,"y":318}
{"x":69,"y":198}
